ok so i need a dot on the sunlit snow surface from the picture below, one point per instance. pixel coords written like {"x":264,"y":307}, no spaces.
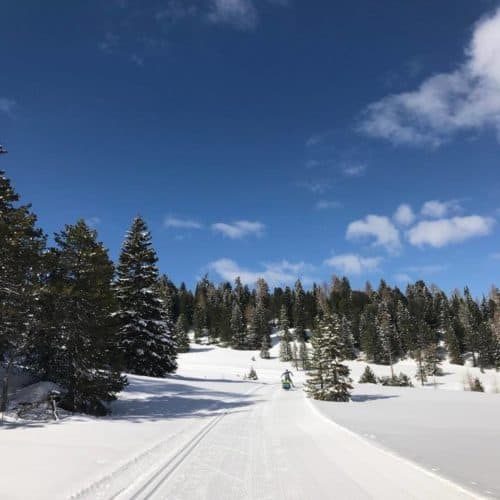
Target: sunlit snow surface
{"x":206,"y":433}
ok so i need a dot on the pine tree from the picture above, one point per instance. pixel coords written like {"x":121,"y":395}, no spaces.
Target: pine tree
{"x":347,"y":338}
{"x":238,"y":329}
{"x":328,"y":379}
{"x":299,"y":319}
{"x":181,"y":337}
{"x":144,"y":334}
{"x":386,"y":332}
{"x":368,"y":377}
{"x":295,"y":356}
{"x":265,"y":346}
{"x":304,"y":356}
{"x":369,"y":340}
{"x":432,"y":361}
{"x":470,"y":316}
{"x":285,"y":349}
{"x":21,"y":247}
{"x":84,"y":360}
{"x":448,"y":333}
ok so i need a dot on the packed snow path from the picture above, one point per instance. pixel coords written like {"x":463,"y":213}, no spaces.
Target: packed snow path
{"x":280,"y":448}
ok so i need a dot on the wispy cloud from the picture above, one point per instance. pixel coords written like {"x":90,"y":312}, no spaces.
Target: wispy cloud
{"x":279,"y":273}
{"x":327,"y":204}
{"x":354,"y":169}
{"x":378,"y":228}
{"x":182,"y":223}
{"x":317,"y":139}
{"x":239,"y":229}
{"x":437,"y":209}
{"x":110,"y":42}
{"x":442,"y":232}
{"x":465,"y":99}
{"x":7,"y":105}
{"x":426,"y":269}
{"x":320,"y":186}
{"x":353,"y":263}
{"x":241,"y":14}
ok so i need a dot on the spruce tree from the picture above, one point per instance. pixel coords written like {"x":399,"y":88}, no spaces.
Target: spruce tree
{"x":304,"y":356}
{"x":368,"y":377}
{"x":181,"y":337}
{"x":328,"y":379}
{"x":295,"y":356}
{"x":238,"y":329}
{"x":386,"y":331}
{"x":299,"y":314}
{"x":285,"y":349}
{"x":145,"y":337}
{"x":84,"y":351}
{"x":21,"y":247}
{"x":369,"y":340}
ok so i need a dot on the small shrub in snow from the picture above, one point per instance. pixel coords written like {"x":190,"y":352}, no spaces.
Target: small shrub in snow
{"x":252,"y":374}
{"x":401,"y":380}
{"x":477,"y":386}
{"x":368,"y":376}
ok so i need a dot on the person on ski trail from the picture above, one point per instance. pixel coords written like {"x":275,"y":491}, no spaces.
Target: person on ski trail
{"x":286,"y":376}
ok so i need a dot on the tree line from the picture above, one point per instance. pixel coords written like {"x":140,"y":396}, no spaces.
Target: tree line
{"x":71,"y":316}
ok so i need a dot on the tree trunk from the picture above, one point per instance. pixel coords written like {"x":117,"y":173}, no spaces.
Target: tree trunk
{"x":5,"y":388}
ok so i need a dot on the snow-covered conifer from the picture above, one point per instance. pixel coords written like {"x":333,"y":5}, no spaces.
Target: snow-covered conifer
{"x":145,"y":337}
{"x":329,"y":378}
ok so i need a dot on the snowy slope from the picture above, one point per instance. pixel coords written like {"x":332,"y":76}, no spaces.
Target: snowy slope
{"x":207,"y":433}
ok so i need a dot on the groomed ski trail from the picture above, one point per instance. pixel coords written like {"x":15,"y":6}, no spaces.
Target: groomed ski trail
{"x":280,"y":448}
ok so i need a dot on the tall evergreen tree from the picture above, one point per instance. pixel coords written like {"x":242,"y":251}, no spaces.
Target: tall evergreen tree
{"x":21,"y":247}
{"x":328,"y":379}
{"x":299,"y":313}
{"x":84,"y":360}
{"x":386,"y":332}
{"x":239,"y":334}
{"x":144,"y":327}
{"x":285,"y":348}
{"x":181,"y":337}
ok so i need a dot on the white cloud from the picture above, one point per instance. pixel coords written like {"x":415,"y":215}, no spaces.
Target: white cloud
{"x":404,"y":215}
{"x":354,"y":170}
{"x":465,"y":99}
{"x":495,"y":255}
{"x":241,"y":14}
{"x":353,"y":263}
{"x":178,"y":222}
{"x":239,"y":229}
{"x":274,"y":273}
{"x":442,"y":232}
{"x":378,"y":227}
{"x":438,"y":209}
{"x":7,"y":105}
{"x":327,"y":204}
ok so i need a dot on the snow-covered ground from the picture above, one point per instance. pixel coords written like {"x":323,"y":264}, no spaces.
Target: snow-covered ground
{"x":208,"y":433}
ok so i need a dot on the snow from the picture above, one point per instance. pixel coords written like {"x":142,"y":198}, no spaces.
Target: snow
{"x":208,"y":433}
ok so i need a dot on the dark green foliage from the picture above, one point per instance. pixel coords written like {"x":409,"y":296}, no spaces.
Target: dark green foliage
{"x":21,"y":247}
{"x":299,"y":313}
{"x":368,"y":377}
{"x":401,"y":380}
{"x":83,"y":357}
{"x":145,"y":327}
{"x":181,"y":337}
{"x":285,"y":347}
{"x":477,"y":386}
{"x":328,"y":379}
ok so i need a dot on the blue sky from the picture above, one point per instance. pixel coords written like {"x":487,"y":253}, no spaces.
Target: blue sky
{"x":280,"y":138}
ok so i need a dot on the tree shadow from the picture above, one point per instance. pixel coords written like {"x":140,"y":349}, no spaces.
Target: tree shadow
{"x":363,"y":398}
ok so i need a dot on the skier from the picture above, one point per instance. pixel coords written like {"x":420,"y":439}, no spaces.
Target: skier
{"x":286,"y":377}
